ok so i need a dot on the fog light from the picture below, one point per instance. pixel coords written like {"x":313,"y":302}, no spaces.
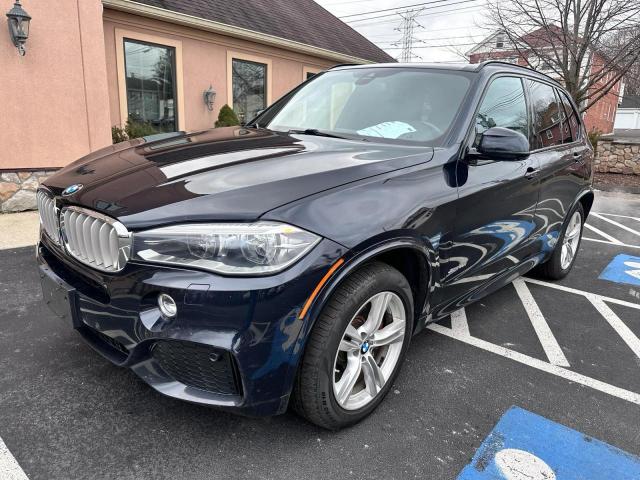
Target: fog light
{"x":167,"y":305}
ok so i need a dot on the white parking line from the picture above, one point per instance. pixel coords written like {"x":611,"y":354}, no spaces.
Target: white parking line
{"x":540,"y":365}
{"x":460,"y":331}
{"x":581,"y":292}
{"x":618,"y":325}
{"x":619,"y":225}
{"x":459,"y":323}
{"x":618,"y":244}
{"x":545,"y":335}
{"x":603,"y":234}
{"x":619,"y":216}
{"x":9,"y":468}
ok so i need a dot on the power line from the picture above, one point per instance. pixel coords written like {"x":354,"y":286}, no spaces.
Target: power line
{"x":436,"y":46}
{"x":422,"y":40}
{"x":441,"y":13}
{"x":437,"y":14}
{"x":394,"y":14}
{"x":395,"y":9}
{"x":463,"y":27}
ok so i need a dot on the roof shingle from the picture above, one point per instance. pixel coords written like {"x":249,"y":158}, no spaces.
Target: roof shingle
{"x":630,"y":101}
{"x":302,"y":21}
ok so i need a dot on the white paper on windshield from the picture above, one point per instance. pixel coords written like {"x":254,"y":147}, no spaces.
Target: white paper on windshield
{"x":387,"y":130}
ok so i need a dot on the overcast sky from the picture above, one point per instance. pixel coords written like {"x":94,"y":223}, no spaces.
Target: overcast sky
{"x":448,"y":25}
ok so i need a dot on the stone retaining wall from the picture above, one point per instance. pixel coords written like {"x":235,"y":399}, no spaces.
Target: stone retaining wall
{"x":18,"y":190}
{"x":618,"y":156}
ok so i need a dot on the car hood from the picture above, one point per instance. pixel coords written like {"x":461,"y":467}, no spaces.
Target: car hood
{"x":221,"y":174}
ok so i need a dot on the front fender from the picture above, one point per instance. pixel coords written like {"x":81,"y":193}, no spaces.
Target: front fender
{"x":358,"y":257}
{"x":352,"y":261}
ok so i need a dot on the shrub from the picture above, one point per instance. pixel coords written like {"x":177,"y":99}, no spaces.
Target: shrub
{"x":137,"y":129}
{"x":227,"y":117}
{"x":118,"y":134}
{"x":133,"y":129}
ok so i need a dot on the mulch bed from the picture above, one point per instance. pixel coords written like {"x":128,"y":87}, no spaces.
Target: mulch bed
{"x":617,"y":182}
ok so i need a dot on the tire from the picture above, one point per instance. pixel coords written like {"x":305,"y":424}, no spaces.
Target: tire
{"x":553,"y":268}
{"x":314,"y":396}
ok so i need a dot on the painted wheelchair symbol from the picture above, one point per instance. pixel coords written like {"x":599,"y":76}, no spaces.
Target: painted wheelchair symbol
{"x":623,"y":269}
{"x":635,"y":269}
{"x":516,"y":464}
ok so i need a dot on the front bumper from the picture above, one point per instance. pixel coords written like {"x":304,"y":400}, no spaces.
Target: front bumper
{"x":234,"y":344}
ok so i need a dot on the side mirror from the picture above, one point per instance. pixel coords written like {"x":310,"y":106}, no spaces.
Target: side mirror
{"x":499,"y":143}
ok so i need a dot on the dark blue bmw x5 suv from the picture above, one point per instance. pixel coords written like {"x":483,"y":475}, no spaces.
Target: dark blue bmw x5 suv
{"x":290,"y":260}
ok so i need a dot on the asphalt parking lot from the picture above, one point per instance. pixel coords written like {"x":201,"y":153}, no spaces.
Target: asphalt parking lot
{"x":567,"y":351}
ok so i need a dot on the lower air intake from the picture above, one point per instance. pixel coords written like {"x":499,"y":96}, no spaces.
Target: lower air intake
{"x":198,"y":366}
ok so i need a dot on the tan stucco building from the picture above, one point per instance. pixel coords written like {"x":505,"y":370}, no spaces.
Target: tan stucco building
{"x":94,"y":64}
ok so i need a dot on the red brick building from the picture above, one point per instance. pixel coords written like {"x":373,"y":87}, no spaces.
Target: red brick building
{"x":599,"y":116}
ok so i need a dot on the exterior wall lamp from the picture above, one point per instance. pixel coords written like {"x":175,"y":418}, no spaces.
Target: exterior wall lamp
{"x":209,"y":97}
{"x":18,"y":26}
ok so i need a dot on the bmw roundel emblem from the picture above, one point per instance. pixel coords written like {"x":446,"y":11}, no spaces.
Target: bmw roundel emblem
{"x":71,"y":189}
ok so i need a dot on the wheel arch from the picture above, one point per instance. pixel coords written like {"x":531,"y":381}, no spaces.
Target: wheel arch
{"x":586,"y":199}
{"x":410,"y":257}
{"x":395,"y":252}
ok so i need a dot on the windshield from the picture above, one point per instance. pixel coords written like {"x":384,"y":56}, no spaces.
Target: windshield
{"x":408,"y":105}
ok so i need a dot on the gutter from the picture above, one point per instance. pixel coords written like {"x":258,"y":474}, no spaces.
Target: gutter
{"x":170,"y":16}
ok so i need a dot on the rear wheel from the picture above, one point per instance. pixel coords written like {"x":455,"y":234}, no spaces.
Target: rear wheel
{"x":566,"y":250}
{"x":356,"y":347}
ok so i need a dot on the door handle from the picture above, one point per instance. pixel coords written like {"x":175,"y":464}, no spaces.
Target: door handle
{"x":532,"y":173}
{"x":577,"y":157}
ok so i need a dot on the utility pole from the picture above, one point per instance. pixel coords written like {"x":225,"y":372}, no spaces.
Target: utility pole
{"x":408,"y":26}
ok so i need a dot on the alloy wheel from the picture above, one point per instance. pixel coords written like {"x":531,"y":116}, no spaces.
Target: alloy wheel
{"x":571,"y":240}
{"x":369,"y":350}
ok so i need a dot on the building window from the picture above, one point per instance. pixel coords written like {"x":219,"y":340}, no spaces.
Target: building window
{"x":249,"y":84}
{"x":500,"y":41}
{"x":309,"y":72}
{"x":150,"y":76}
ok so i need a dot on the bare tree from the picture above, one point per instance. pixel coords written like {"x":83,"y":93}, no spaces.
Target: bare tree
{"x":573,"y":40}
{"x":632,"y":78}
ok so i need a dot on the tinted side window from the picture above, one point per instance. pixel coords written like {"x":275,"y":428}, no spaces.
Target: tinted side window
{"x":546,"y":115}
{"x":504,"y":105}
{"x":570,"y":121}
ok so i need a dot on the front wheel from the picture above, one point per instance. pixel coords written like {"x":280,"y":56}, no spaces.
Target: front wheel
{"x":566,"y":250}
{"x":356,"y":347}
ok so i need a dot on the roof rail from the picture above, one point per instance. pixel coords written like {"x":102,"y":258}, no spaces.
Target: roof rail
{"x":481,"y":65}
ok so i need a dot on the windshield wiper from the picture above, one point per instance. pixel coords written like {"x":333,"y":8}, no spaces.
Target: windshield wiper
{"x":315,"y":132}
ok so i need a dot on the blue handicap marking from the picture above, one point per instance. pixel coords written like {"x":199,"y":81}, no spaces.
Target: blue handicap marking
{"x":623,"y":269}
{"x":524,"y":445}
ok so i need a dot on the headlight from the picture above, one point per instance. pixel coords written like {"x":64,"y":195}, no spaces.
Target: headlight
{"x":227,"y":248}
